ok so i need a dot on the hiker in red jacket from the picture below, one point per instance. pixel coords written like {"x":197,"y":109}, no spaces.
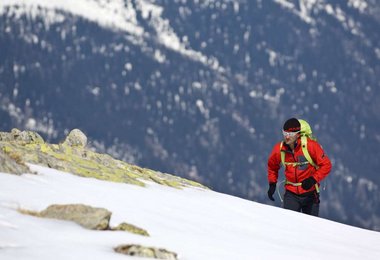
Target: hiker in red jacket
{"x":305,"y":167}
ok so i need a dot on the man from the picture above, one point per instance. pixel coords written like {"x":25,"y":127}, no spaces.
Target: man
{"x":305,"y":168}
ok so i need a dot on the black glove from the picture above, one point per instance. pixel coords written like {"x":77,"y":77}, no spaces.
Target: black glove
{"x":307,"y":183}
{"x":271,"y":190}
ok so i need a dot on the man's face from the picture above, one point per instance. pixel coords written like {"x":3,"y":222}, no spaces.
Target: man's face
{"x":290,"y":137}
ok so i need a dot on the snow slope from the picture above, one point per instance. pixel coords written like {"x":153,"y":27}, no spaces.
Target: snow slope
{"x":195,"y":223}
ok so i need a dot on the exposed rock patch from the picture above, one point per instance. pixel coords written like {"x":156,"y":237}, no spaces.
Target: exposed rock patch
{"x":76,"y":138}
{"x":21,"y":137}
{"x":86,"y":216}
{"x":11,"y":162}
{"x":148,"y":252}
{"x":98,"y":219}
{"x":131,"y":228}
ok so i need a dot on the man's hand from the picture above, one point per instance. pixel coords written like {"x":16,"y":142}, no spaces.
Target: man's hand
{"x":307,"y":183}
{"x":271,"y":190}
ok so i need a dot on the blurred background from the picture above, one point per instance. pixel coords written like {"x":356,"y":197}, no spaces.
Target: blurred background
{"x":201,"y":88}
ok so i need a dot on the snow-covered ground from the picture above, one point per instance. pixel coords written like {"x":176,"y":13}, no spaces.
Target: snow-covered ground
{"x":195,"y":223}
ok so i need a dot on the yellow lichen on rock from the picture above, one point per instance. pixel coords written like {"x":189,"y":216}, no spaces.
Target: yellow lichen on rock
{"x":131,"y":228}
{"x":72,"y":156}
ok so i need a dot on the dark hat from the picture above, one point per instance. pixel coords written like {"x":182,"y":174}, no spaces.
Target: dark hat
{"x":292,"y":125}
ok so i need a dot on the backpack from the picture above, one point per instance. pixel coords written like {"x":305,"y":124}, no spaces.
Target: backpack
{"x":305,"y":132}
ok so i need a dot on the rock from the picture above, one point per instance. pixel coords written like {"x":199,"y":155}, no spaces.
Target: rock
{"x":75,"y":157}
{"x":76,"y":138}
{"x":149,"y":252}
{"x":24,"y":137}
{"x":11,"y":162}
{"x":86,"y":216}
{"x":6,"y":137}
{"x":27,"y":137}
{"x":15,"y":133}
{"x":131,"y":228}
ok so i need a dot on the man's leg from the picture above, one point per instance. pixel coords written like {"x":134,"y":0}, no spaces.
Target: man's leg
{"x":310,"y":204}
{"x":291,"y":201}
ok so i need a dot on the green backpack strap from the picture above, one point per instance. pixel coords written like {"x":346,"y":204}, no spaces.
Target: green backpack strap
{"x":282,"y":154}
{"x":306,"y":152}
{"x":308,"y":157}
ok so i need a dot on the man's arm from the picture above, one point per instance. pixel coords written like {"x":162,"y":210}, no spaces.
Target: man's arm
{"x":274,"y":164}
{"x":321,"y":160}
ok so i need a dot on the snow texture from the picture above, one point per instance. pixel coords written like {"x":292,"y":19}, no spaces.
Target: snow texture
{"x":195,"y":223}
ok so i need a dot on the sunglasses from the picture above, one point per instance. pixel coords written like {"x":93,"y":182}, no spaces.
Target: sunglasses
{"x":289,"y":134}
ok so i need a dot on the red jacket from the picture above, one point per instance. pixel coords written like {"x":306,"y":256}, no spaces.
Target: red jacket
{"x":297,"y":174}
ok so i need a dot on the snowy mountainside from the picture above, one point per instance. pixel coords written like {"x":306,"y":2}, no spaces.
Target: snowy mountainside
{"x":194,"y":223}
{"x":201,"y":88}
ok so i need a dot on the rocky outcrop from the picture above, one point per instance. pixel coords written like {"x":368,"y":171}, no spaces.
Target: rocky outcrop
{"x":21,"y":137}
{"x":131,"y":228}
{"x":99,"y":219}
{"x":76,"y":138}
{"x":86,"y":216}
{"x":18,"y":148}
{"x":148,"y":252}
{"x":12,"y":163}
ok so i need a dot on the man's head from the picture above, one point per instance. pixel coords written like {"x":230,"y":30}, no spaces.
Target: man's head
{"x":291,"y":130}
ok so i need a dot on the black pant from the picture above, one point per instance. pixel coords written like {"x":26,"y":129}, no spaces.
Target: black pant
{"x":306,"y":203}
